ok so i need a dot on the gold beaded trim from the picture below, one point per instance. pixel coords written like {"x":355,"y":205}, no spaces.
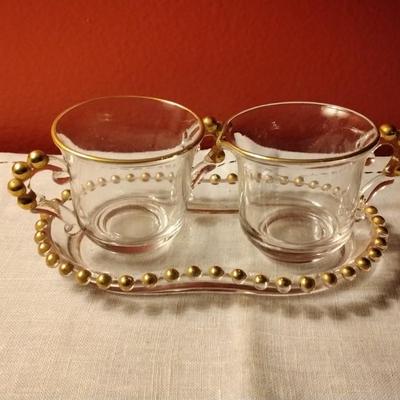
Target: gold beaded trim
{"x":195,"y":278}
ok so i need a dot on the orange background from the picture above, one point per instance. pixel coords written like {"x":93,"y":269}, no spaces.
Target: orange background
{"x":216,"y":57}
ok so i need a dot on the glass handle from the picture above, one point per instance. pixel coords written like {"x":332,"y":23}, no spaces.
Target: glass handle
{"x":389,"y":136}
{"x":28,"y":199}
{"x":215,"y":155}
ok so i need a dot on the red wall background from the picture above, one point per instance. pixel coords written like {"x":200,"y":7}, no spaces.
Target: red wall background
{"x":216,"y":57}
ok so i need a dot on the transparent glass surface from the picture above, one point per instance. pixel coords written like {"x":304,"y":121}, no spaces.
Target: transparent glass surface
{"x":300,"y":167}
{"x":129,"y":161}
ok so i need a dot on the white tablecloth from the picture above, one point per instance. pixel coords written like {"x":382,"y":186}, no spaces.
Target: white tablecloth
{"x":61,"y":341}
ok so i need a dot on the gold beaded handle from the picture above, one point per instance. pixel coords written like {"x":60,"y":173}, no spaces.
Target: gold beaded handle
{"x":391,"y":135}
{"x":23,"y":171}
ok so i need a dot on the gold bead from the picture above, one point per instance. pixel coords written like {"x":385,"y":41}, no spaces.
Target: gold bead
{"x":374,"y":253}
{"x":215,"y":179}
{"x":238,"y":275}
{"x":260,"y":281}
{"x":39,"y":236}
{"x":216,"y":154}
{"x":145,"y":177}
{"x":43,"y":248}
{"x":115,"y":179}
{"x":307,"y":284}
{"x":210,"y":124}
{"x":130,"y":177}
{"x":103,"y":281}
{"x":378,"y":220}
{"x":381,"y":231}
{"x":102,"y":181}
{"x":16,"y":187}
{"x":387,"y":131}
{"x":65,"y":268}
{"x":313,"y":184}
{"x":363,"y":263}
{"x":159,"y":176}
{"x":371,"y":210}
{"x":90,"y":185}
{"x":149,"y":279}
{"x":326,"y":187}
{"x":299,"y":181}
{"x":380,"y":242}
{"x":283,"y":285}
{"x":329,"y":279}
{"x":126,"y":282}
{"x":348,"y":272}
{"x":232,"y":178}
{"x":52,"y":259}
{"x":283,"y":180}
{"x":82,"y":277}
{"x":193,"y":271}
{"x":40,"y":225}
{"x":38,"y":159}
{"x":66,"y":195}
{"x":21,"y":171}
{"x":171,"y":274}
{"x":171,"y":177}
{"x":27,"y":201}
{"x":215,"y":272}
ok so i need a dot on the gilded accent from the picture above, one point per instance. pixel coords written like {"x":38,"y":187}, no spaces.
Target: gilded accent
{"x":66,"y":195}
{"x":378,"y":220}
{"x":65,"y":268}
{"x":381,"y":231}
{"x":380,"y":242}
{"x":374,"y":253}
{"x":38,"y":159}
{"x":260,"y":281}
{"x":193,"y":271}
{"x":130,"y":177}
{"x":82,"y":277}
{"x":44,"y":247}
{"x":363,"y":263}
{"x":40,"y":225}
{"x":103,"y":281}
{"x":238,"y":275}
{"x":283,"y":284}
{"x":145,"y":177}
{"x":307,"y":284}
{"x":39,"y":236}
{"x":388,"y":132}
{"x":52,"y":259}
{"x":329,"y":279}
{"x":149,"y":279}
{"x":102,"y":181}
{"x":232,"y":178}
{"x":115,"y":179}
{"x":210,"y":124}
{"x":215,"y":272}
{"x":21,"y":170}
{"x":371,"y":210}
{"x":299,"y":181}
{"x":126,"y":282}
{"x":16,"y":187}
{"x":171,"y":274}
{"x":159,"y":176}
{"x":348,"y":272}
{"x":27,"y":201}
{"x":215,"y":179}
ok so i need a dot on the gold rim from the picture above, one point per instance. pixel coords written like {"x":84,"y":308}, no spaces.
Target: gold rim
{"x":62,"y":146}
{"x":259,"y":157}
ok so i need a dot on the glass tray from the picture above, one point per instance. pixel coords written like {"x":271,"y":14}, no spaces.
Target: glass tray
{"x":210,"y":254}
